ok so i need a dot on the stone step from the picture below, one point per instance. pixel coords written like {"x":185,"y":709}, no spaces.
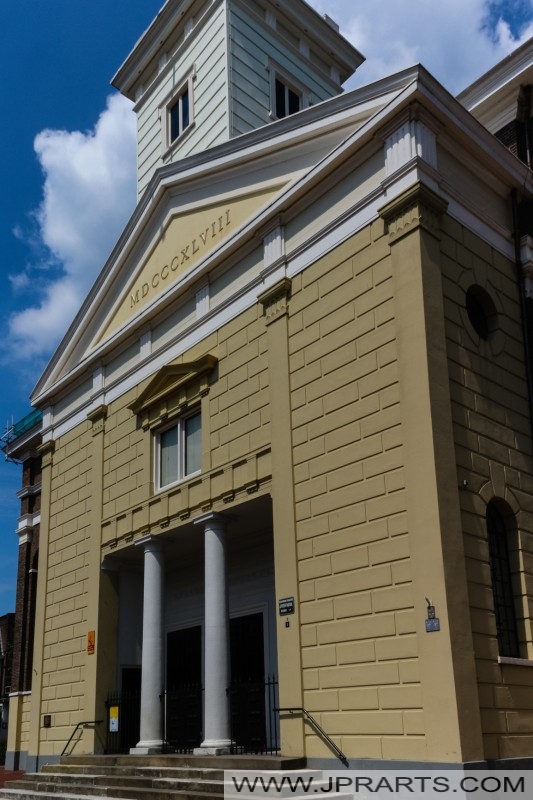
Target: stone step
{"x":163,"y":777}
{"x":39,"y":790}
{"x":131,"y":781}
{"x":54,"y":791}
{"x":148,"y":772}
{"x":240,"y":762}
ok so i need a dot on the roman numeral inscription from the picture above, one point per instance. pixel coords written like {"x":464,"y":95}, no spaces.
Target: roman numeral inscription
{"x":183,"y":258}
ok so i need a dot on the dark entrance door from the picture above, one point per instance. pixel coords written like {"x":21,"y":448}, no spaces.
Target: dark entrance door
{"x":247,"y":690}
{"x":130,"y":708}
{"x":184,"y":689}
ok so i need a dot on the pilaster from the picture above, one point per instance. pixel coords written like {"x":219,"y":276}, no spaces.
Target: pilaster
{"x":46,"y":450}
{"x":102,"y":599}
{"x":275,"y":302}
{"x":446,"y":657}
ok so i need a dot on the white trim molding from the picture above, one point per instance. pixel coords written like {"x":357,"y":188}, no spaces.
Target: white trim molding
{"x":413,"y":139}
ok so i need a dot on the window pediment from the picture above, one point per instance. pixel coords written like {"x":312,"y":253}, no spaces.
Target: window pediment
{"x":173,"y":390}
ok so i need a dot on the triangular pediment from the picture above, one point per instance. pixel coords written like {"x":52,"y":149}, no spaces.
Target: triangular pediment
{"x":173,"y":378}
{"x":186,"y":240}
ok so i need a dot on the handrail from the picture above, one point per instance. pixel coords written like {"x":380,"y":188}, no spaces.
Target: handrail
{"x":80,"y":725}
{"x":338,"y":752}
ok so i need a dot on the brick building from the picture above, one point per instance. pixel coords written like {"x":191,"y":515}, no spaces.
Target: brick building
{"x":289,"y":432}
{"x":20,"y":445}
{"x":6,"y":662}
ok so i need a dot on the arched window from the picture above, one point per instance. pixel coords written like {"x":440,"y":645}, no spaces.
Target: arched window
{"x":498,"y":530}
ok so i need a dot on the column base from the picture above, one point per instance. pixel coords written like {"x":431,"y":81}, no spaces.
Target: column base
{"x":216,"y":747}
{"x":147,"y":749}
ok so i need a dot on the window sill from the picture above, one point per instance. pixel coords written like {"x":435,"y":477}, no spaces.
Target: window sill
{"x":517,"y":662}
{"x":190,"y":476}
{"x":169,"y":150}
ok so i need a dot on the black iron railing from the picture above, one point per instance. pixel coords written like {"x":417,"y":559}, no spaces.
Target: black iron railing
{"x":123,"y":721}
{"x":319,"y":729}
{"x":253,"y":718}
{"x":78,"y":730}
{"x":183,"y":718}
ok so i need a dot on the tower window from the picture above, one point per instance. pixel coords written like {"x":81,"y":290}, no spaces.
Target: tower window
{"x":177,"y":112}
{"x":179,"y":116}
{"x":287,"y":100}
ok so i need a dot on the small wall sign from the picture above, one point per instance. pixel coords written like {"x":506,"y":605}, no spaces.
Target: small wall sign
{"x":113,"y":719}
{"x":91,"y":643}
{"x":286,"y":606}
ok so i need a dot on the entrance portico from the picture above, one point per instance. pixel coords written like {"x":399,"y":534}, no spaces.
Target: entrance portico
{"x":195,"y":580}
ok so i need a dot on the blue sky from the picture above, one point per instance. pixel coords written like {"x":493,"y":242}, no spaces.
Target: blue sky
{"x":68,"y":154}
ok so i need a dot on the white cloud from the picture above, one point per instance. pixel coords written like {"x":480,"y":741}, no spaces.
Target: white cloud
{"x":89,"y":192}
{"x":451,"y":39}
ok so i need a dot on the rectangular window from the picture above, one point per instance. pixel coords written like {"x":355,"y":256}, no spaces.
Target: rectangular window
{"x":179,"y":115}
{"x":177,"y":112}
{"x":179,"y":450}
{"x":287,"y":100}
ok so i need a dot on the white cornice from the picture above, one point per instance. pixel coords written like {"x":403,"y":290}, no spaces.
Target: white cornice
{"x":148,"y":46}
{"x":29,"y":491}
{"x":174,"y":13}
{"x":26,"y":524}
{"x":493,"y":98}
{"x":508,"y":72}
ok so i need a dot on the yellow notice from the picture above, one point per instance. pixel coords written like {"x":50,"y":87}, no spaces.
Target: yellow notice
{"x":113,"y":719}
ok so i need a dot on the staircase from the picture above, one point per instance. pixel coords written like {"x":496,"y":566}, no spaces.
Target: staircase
{"x":170,"y":777}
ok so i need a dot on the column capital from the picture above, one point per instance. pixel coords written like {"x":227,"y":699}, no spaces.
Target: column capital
{"x":46,"y":451}
{"x":212,"y":516}
{"x":417,"y":207}
{"x":97,"y":418}
{"x":149,"y":541}
{"x":275,"y":300}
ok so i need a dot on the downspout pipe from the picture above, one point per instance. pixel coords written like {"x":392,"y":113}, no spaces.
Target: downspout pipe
{"x":523,"y":306}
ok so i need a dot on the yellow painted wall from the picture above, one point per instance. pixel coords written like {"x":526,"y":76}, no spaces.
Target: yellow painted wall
{"x":65,"y":613}
{"x":19,"y":722}
{"x":355,"y":463}
{"x":494,"y":454}
{"x":359,"y":654}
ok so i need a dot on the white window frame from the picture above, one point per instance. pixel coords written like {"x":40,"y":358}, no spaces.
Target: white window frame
{"x":277,"y":74}
{"x":165,"y":112}
{"x":182,"y":474}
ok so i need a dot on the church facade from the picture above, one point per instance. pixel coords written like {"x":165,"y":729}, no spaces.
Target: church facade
{"x":287,"y":441}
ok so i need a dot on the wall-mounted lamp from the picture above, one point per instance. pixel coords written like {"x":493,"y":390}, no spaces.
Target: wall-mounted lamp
{"x":432,"y":621}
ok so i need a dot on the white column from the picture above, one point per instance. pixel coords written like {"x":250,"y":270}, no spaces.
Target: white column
{"x":152,"y":650}
{"x":217,"y":738}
